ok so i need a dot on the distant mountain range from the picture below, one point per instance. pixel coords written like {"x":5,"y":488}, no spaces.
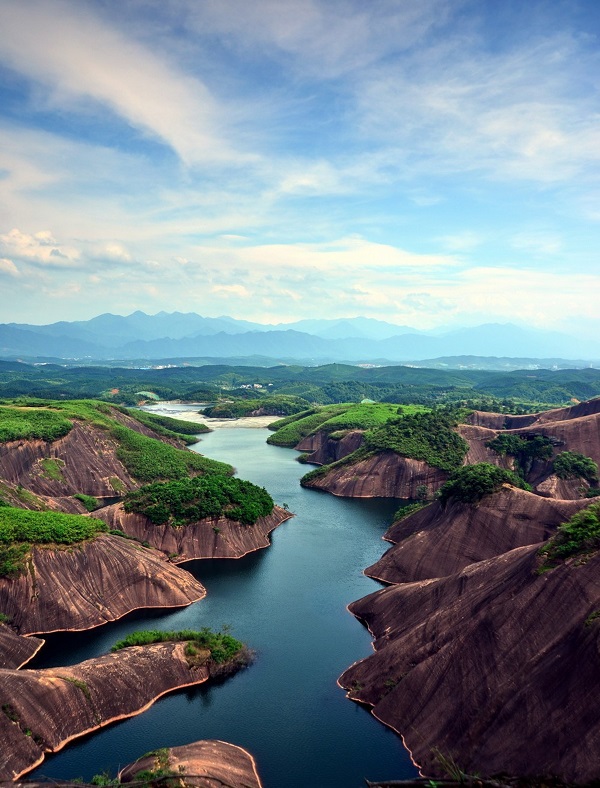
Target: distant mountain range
{"x":352,"y":340}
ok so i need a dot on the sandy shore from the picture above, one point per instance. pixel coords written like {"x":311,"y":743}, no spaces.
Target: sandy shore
{"x":174,"y":410}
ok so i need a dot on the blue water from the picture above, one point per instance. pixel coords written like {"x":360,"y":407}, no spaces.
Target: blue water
{"x":287,"y":602}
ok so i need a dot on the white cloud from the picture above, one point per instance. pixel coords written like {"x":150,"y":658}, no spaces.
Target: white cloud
{"x":8,"y":267}
{"x":64,"y":46}
{"x":39,"y":249}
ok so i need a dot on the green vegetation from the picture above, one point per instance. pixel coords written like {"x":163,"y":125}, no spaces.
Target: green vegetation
{"x":337,"y":420}
{"x":32,"y":423}
{"x":52,"y":469}
{"x":521,"y":391}
{"x":405,"y":511}
{"x":222,"y":645}
{"x":429,"y":437}
{"x":88,"y":501}
{"x":524,"y":448}
{"x":21,"y":528}
{"x":289,"y":432}
{"x":573,"y":465}
{"x":82,"y":685}
{"x":189,"y":500}
{"x":278,"y":405}
{"x":168,"y":426}
{"x":578,"y":536}
{"x":148,"y":459}
{"x":471,"y":483}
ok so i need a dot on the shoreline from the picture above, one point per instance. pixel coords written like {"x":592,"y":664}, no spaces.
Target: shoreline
{"x":170,"y":408}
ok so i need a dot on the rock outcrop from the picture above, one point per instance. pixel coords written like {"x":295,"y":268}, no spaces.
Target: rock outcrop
{"x":495,"y":668}
{"x":209,"y":538}
{"x":15,"y":650}
{"x":321,"y":449}
{"x":385,"y":475}
{"x":440,"y":540}
{"x":42,"y":710}
{"x":88,"y":584}
{"x":205,"y":764}
{"x":85,"y":458}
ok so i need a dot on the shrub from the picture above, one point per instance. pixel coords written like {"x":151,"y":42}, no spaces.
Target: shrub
{"x":472,"y":482}
{"x":221,"y":645}
{"x":573,"y":465}
{"x":88,"y":501}
{"x":189,"y":500}
{"x":580,"y":534}
{"x":422,"y":436}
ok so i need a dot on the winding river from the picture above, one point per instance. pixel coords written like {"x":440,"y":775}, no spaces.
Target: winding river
{"x":288,"y":603}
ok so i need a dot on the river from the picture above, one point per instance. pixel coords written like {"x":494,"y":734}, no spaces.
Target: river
{"x":288,"y":603}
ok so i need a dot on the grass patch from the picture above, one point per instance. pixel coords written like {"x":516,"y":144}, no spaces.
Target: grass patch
{"x":52,"y":469}
{"x":293,"y":430}
{"x":88,"y":501}
{"x":189,"y":500}
{"x":32,"y":424}
{"x":405,"y":511}
{"x":148,"y":459}
{"x":22,"y":528}
{"x":222,"y":645}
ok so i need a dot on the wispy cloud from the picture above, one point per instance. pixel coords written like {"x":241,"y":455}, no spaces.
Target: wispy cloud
{"x":78,"y":57}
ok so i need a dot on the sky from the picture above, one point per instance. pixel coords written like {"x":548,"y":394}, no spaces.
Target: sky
{"x":426,"y":162}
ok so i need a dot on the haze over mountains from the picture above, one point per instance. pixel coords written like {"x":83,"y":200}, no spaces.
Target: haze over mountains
{"x":354,"y":340}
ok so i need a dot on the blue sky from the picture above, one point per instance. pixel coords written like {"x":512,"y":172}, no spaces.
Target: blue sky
{"x":426,"y":162}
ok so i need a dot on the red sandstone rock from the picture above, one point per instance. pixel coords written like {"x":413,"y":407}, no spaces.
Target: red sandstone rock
{"x":206,"y":764}
{"x":386,"y":475}
{"x":496,"y":667}
{"x":323,"y":450}
{"x":440,"y":540}
{"x":15,"y":650}
{"x":89,"y":584}
{"x":57,"y":705}
{"x":209,"y":538}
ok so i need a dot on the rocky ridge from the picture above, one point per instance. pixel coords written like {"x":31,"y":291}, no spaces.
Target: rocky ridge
{"x":95,"y":693}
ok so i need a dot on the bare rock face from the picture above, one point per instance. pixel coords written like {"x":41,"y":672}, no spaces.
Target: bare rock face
{"x":440,"y":540}
{"x":91,"y":583}
{"x":385,"y":475}
{"x":209,"y":538}
{"x":85,"y":460}
{"x":477,"y":437}
{"x":322,"y":449}
{"x":206,"y":764}
{"x":495,"y":668}
{"x":15,"y":650}
{"x":42,"y":710}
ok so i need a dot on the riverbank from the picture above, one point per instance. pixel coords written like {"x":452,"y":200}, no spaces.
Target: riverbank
{"x":179,"y":411}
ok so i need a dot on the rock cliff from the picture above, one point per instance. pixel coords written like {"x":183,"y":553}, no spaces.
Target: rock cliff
{"x":494,"y":668}
{"x":440,"y":540}
{"x":15,"y":650}
{"x":321,"y":449}
{"x":42,"y":710}
{"x":85,"y":460}
{"x":91,"y":583}
{"x":385,"y":475}
{"x":209,"y":538}
{"x":205,"y":764}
